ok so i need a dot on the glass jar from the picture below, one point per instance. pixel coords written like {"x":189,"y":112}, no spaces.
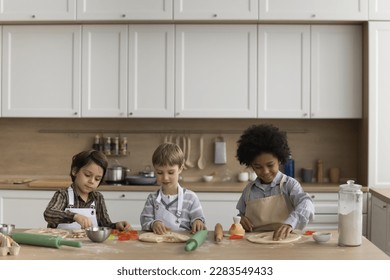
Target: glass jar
{"x":350,"y":212}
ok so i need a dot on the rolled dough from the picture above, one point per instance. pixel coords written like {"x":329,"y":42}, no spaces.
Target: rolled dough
{"x":75,"y":233}
{"x":266,"y":238}
{"x":170,"y":237}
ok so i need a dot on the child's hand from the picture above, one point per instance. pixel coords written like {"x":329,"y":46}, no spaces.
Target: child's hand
{"x":159,"y":228}
{"x":246,"y":223}
{"x":83,"y":221}
{"x":123,"y":226}
{"x":197,"y":225}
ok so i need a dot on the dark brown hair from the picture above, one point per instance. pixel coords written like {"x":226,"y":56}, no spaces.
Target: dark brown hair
{"x":86,"y":157}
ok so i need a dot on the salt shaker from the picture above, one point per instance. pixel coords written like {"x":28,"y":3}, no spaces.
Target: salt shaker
{"x":350,"y":224}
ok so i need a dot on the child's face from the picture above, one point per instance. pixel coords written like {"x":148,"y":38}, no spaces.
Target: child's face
{"x":88,"y":178}
{"x":168,"y":176}
{"x":266,"y":166}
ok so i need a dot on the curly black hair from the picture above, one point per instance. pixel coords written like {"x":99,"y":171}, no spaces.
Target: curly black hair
{"x":263,"y":138}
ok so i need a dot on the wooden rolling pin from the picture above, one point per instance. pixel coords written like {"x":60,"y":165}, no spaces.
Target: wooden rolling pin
{"x":218,"y":233}
{"x":196,"y":240}
{"x":43,"y":240}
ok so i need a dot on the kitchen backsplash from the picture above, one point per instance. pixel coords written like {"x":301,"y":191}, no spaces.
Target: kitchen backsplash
{"x":44,"y":147}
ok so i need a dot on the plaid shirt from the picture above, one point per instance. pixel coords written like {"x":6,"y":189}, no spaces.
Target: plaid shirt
{"x":55,"y":211}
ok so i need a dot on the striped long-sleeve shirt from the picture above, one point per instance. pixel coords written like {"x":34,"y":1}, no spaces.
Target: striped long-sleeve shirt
{"x":55,"y":211}
{"x":192,"y":210}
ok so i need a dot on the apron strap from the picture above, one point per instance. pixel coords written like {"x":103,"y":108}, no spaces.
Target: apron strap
{"x":282,"y":184}
{"x":71,"y":198}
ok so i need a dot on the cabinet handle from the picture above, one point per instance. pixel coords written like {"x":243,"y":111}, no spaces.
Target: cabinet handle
{"x":177,"y":114}
{"x":313,"y":15}
{"x":123,"y":195}
{"x":32,"y":16}
{"x":313,"y":196}
{"x":131,"y":113}
{"x":305,"y":114}
{"x":215,"y":15}
{"x":75,"y":113}
{"x":123,"y":15}
{"x":384,"y":206}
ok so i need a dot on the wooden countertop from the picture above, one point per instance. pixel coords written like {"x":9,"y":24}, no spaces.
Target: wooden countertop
{"x":382,"y":194}
{"x":54,"y":184}
{"x":304,"y":249}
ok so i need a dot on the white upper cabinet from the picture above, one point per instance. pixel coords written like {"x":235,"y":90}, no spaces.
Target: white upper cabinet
{"x":216,"y":71}
{"x":336,"y":71}
{"x":37,"y":10}
{"x":313,"y":9}
{"x":216,"y":9}
{"x":41,"y":71}
{"x":379,"y":10}
{"x":151,"y":70}
{"x":104,"y":71}
{"x":310,"y":72}
{"x":379,"y":100}
{"x":124,"y":9}
{"x":284,"y":71}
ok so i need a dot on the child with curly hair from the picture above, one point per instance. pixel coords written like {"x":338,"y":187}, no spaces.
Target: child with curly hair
{"x":274,"y":201}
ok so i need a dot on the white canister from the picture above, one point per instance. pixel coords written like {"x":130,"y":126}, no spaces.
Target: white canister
{"x":350,"y":214}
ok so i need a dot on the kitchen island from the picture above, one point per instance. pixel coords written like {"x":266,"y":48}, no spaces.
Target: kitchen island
{"x":304,"y":249}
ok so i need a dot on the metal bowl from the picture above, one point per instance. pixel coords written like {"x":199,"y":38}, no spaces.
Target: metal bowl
{"x":98,"y":234}
{"x":6,"y":228}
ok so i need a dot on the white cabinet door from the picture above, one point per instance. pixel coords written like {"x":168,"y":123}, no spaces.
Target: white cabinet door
{"x":219,"y":208}
{"x":379,"y":223}
{"x":216,"y":71}
{"x":37,"y":10}
{"x":23,"y":208}
{"x":125,"y":206}
{"x":124,"y":9}
{"x":151,"y":71}
{"x":104,"y":71}
{"x":41,"y":71}
{"x":379,"y":10}
{"x":314,"y":10}
{"x":216,"y":9}
{"x":379,"y":100}
{"x":284,"y":71}
{"x":310,"y":71}
{"x":336,"y":71}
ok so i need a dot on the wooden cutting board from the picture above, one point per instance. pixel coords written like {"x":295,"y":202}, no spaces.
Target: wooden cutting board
{"x":50,"y":183}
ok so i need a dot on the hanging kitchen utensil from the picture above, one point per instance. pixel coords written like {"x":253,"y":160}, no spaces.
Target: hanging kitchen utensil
{"x":201,"y":164}
{"x":220,"y":151}
{"x":188,"y":162}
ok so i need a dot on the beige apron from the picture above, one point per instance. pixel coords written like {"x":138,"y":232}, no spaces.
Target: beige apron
{"x":88,"y":212}
{"x":267,"y":213}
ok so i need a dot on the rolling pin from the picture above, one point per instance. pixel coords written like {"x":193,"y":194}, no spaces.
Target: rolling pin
{"x":218,"y":233}
{"x":43,"y":240}
{"x":196,"y":240}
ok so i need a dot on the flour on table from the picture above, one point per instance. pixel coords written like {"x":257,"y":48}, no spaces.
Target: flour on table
{"x":170,"y":237}
{"x":266,"y":238}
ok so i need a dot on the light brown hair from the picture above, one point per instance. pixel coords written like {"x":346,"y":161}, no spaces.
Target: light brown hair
{"x":168,"y":154}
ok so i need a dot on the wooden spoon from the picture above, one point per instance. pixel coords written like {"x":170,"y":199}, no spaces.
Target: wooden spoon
{"x":201,"y":164}
{"x":188,"y":162}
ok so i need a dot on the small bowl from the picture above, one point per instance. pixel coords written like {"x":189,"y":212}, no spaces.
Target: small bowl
{"x":321,"y":237}
{"x":98,"y":234}
{"x":208,"y":178}
{"x":6,"y":228}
